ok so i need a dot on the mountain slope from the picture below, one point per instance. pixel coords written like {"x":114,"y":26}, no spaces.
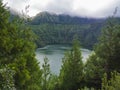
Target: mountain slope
{"x":46,"y":17}
{"x":61,"y":29}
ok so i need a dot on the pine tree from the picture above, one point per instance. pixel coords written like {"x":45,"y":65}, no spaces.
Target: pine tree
{"x":71,"y":73}
{"x":106,"y":57}
{"x":6,"y":78}
{"x":113,"y":83}
{"x":17,"y":50}
{"x":108,"y":48}
{"x":94,"y":71}
{"x":45,"y":74}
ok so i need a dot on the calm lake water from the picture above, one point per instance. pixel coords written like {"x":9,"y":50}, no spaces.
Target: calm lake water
{"x":55,"y":53}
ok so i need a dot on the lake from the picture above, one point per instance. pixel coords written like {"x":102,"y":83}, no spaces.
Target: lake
{"x":55,"y":53}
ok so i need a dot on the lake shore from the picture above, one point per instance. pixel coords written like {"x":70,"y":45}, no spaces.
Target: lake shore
{"x":55,"y":53}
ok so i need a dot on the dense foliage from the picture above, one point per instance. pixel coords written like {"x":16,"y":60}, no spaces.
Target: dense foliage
{"x":47,"y":17}
{"x":19,"y":69}
{"x":106,"y":56}
{"x":6,"y":78}
{"x":71,"y":73}
{"x":110,"y":44}
{"x":60,"y":29}
{"x":113,"y":83}
{"x":17,"y":51}
{"x":45,"y":74}
{"x":94,"y":71}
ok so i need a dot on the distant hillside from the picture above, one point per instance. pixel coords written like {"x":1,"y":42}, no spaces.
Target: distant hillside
{"x":60,"y":29}
{"x":45,"y":17}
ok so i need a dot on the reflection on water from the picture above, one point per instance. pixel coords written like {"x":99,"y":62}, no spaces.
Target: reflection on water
{"x":55,"y":53}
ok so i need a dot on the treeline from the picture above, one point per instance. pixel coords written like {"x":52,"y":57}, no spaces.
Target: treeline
{"x":19,"y":69}
{"x":63,"y":34}
{"x":60,"y":29}
{"x":47,"y":17}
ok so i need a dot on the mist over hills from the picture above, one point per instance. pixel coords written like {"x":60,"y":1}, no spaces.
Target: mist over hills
{"x":46,"y":17}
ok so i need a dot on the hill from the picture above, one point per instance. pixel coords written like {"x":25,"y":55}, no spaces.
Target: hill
{"x":61,"y":29}
{"x":46,"y":17}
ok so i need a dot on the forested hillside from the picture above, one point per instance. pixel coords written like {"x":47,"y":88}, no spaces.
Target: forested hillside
{"x":47,"y":17}
{"x":60,"y":29}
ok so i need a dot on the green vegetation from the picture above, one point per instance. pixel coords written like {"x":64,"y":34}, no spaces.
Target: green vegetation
{"x":19,"y":69}
{"x":52,"y":18}
{"x":113,"y":83}
{"x":61,"y":29}
{"x":105,"y":58}
{"x":110,"y":44}
{"x":71,"y":73}
{"x":6,"y":78}
{"x":17,"y":51}
{"x":94,"y":71}
{"x":45,"y":74}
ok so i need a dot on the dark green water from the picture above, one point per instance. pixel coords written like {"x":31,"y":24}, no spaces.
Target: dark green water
{"x":55,"y":53}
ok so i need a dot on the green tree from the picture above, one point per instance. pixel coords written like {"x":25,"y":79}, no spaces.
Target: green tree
{"x":106,"y":56}
{"x":93,"y":71}
{"x":53,"y":83}
{"x":17,"y":50}
{"x":45,"y":74}
{"x":108,"y":48}
{"x":6,"y":78}
{"x":113,"y":83}
{"x":71,"y":73}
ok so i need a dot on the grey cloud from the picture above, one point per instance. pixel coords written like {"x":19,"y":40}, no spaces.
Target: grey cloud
{"x":63,"y":6}
{"x":66,"y":7}
{"x":109,"y":11}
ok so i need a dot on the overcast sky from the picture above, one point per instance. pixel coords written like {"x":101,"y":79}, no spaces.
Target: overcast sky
{"x":85,"y":8}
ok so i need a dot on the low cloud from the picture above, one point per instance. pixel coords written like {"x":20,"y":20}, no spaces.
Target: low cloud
{"x":86,"y":8}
